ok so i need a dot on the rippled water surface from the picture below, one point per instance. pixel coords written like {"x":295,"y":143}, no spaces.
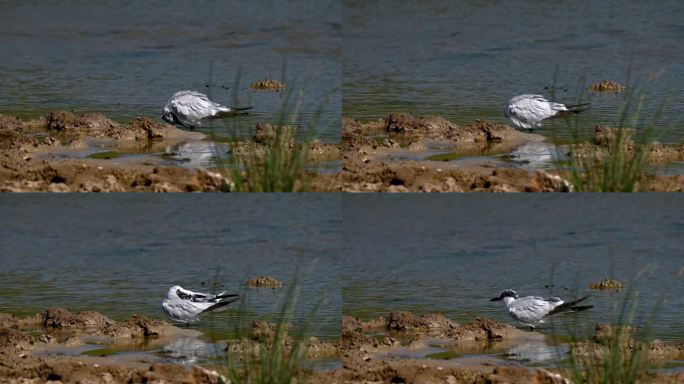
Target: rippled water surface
{"x":465,"y":59}
{"x":126,"y":58}
{"x":440,"y":254}
{"x":119,"y":255}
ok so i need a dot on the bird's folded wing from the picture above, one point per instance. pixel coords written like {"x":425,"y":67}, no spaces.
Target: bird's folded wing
{"x":529,"y":310}
{"x":193,"y":106}
{"x":531,"y":110}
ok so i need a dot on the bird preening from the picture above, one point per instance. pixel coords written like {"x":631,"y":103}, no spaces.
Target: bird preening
{"x":188,"y":108}
{"x":534,"y":310}
{"x":529,"y":111}
{"x":185,"y":306}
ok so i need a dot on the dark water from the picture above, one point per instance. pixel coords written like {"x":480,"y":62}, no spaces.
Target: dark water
{"x":119,"y":254}
{"x":451,"y":255}
{"x":464,"y":59}
{"x":126,"y":58}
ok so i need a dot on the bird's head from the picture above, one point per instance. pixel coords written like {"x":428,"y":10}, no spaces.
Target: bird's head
{"x":507,"y":293}
{"x":168,"y":116}
{"x":173,"y":292}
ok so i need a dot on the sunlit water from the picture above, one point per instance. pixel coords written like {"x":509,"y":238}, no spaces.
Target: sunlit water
{"x":125,"y":59}
{"x":463,"y":60}
{"x":119,"y":255}
{"x":447,"y":255}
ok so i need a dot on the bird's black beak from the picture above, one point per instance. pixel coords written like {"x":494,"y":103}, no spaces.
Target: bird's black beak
{"x":495,"y":299}
{"x":167,"y":119}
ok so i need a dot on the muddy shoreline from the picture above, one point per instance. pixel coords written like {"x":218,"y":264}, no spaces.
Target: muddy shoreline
{"x":391,"y":155}
{"x":50,"y":346}
{"x":63,"y":152}
{"x":394,"y":348}
{"x":398,"y":347}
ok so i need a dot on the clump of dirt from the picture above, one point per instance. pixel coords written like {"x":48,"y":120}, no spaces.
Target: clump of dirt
{"x":366,"y":167}
{"x":410,"y":176}
{"x":267,"y":85}
{"x":66,"y":124}
{"x":607,"y":86}
{"x":269,"y":137}
{"x":609,"y":141}
{"x":8,"y":320}
{"x":137,"y":326}
{"x":264,"y":281}
{"x":267,"y":134}
{"x":481,"y":329}
{"x":11,"y":337}
{"x":25,"y":166}
{"x":607,"y":334}
{"x":263,"y":336}
{"x":407,"y":321}
{"x":605,"y":136}
{"x":369,"y":370}
{"x":436,"y":127}
{"x":402,"y":122}
{"x":607,"y":284}
{"x":63,"y":318}
{"x":607,"y":337}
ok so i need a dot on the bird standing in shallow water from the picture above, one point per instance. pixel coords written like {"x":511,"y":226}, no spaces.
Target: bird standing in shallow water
{"x":185,"y":306}
{"x":187,"y":108}
{"x":528,"y":111}
{"x":533,"y":310}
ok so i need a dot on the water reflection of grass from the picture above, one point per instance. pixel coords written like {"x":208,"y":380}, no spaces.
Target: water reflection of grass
{"x":105,"y":155}
{"x":445,"y":156}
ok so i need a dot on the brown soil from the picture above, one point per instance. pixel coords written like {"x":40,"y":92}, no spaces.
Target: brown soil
{"x":263,"y":336}
{"x":263,"y":281}
{"x":266,"y":135}
{"x":369,"y":359}
{"x":37,"y":155}
{"x":25,"y":358}
{"x":607,"y":139}
{"x":367,"y":148}
{"x":365,"y":170}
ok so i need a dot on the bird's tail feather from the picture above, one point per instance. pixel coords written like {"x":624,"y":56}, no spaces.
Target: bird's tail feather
{"x":577,"y":108}
{"x":231,"y":112}
{"x":225,"y":295}
{"x":570,"y":307}
{"x":222,"y":303}
{"x":571,"y":109}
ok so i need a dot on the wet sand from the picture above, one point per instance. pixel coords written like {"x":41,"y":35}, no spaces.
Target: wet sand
{"x":62,"y":152}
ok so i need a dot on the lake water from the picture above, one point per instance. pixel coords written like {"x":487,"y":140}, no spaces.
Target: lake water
{"x":452,"y":254}
{"x":118,"y":255}
{"x":125,"y":58}
{"x":464,"y":59}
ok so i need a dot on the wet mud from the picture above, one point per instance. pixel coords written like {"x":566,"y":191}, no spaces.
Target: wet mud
{"x":63,"y":152}
{"x":400,"y":348}
{"x":40,"y":348}
{"x":391,"y":155}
